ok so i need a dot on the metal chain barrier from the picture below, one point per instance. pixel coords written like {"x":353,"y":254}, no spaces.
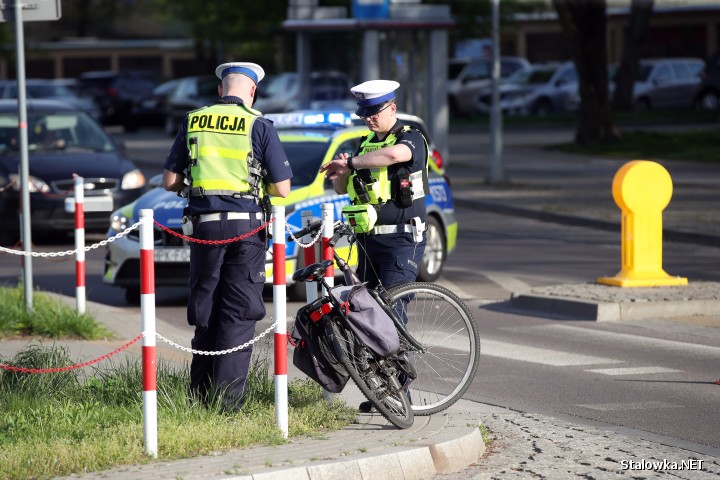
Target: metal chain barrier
{"x":220,"y":352}
{"x":12,"y":368}
{"x":313,"y":241}
{"x":72,"y":252}
{"x":213,"y":242}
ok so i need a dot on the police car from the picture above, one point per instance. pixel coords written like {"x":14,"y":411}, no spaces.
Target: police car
{"x":310,"y":139}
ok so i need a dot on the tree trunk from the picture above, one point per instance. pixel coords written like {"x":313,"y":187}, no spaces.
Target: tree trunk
{"x":634,"y":38}
{"x":585,"y":30}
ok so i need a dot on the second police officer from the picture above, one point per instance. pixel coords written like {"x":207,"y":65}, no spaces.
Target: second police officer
{"x":386,"y":181}
{"x":225,"y":158}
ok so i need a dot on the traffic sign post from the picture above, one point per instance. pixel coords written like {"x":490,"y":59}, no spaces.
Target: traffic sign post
{"x":32,"y":10}
{"x":19,"y":12}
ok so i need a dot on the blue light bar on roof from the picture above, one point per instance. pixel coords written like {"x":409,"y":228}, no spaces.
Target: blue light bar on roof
{"x":310,"y":119}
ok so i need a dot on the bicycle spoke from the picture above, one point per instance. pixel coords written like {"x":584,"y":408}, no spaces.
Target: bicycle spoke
{"x":444,"y":326}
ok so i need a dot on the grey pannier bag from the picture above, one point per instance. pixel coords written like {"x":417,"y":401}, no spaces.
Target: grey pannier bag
{"x":367,"y":319}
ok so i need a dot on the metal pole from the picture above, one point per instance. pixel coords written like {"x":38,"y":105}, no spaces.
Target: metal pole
{"x":25,"y":237}
{"x":147,"y":320}
{"x":280,"y":315}
{"x":80,"y":293}
{"x":496,"y":169}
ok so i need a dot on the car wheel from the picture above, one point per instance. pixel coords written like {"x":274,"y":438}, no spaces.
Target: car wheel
{"x":433,"y":258}
{"x":642,"y":104}
{"x":132,"y":295}
{"x":170,"y":127}
{"x":543,"y":107}
{"x":708,"y":100}
{"x":454,"y":110}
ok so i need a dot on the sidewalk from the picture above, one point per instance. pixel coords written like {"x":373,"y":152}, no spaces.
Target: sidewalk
{"x":568,"y":189}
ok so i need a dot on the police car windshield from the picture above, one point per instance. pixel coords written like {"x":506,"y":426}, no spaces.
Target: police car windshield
{"x":305,"y":159}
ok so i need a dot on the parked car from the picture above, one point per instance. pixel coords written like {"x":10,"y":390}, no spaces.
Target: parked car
{"x":539,"y":90}
{"x":468,"y":76}
{"x":708,"y":94}
{"x":187,"y":94}
{"x":328,"y":90}
{"x":310,"y":139}
{"x":123,"y":96}
{"x":52,"y":90}
{"x":62,"y":141}
{"x":667,"y":83}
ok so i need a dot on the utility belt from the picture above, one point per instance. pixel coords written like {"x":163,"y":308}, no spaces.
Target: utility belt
{"x":416,"y":227}
{"x":187,"y":221}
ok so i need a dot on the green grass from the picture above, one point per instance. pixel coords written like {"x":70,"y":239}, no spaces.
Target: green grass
{"x":74,"y":422}
{"x":702,"y":146}
{"x":48,"y":318}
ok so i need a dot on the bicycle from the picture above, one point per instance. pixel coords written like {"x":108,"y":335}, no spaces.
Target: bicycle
{"x":439,"y":342}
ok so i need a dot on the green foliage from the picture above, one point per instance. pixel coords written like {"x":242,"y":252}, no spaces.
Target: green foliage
{"x":63,"y":423}
{"x":473,"y":18}
{"x":226,"y":28}
{"x":48,"y":318}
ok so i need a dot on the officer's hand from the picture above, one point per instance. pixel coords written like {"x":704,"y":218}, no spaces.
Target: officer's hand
{"x":337,"y":167}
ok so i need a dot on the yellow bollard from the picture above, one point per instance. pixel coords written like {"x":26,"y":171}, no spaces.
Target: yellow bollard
{"x":642,"y":189}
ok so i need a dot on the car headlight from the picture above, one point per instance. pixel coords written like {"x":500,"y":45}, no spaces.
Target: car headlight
{"x":132,"y":180}
{"x":35,"y":184}
{"x":118,"y":222}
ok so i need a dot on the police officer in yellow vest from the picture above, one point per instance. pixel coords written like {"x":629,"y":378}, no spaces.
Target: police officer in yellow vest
{"x":225,"y":158}
{"x":386,"y":181}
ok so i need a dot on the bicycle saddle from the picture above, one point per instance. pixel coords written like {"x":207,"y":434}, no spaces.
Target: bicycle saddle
{"x":311,"y":272}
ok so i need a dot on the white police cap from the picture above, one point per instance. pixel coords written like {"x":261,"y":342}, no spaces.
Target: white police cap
{"x":252,"y":70}
{"x":372,"y":95}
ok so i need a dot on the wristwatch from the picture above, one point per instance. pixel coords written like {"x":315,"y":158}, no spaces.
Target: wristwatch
{"x":349,"y":162}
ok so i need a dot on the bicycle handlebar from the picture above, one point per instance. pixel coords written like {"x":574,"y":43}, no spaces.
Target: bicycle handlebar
{"x":340,"y":229}
{"x":312,"y":229}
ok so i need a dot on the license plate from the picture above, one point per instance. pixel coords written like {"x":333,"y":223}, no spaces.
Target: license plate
{"x":172,"y":254}
{"x":103,"y":203}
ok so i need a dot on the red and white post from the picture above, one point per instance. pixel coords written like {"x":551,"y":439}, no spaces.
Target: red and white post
{"x":311,"y":288}
{"x":327,"y":251}
{"x":327,"y":254}
{"x":80,"y":295}
{"x":280,"y":316}
{"x":147,"y":320}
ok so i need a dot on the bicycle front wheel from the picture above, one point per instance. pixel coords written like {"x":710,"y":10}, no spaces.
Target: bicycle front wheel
{"x":443,"y":324}
{"x":377,"y":378}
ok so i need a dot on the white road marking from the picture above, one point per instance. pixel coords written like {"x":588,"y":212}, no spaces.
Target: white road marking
{"x":585,"y":334}
{"x":630,"y":406}
{"x":507,"y":282}
{"x":633,"y":370}
{"x":542,"y":356}
{"x":464,"y":296}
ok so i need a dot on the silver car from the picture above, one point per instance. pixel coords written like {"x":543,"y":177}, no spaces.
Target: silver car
{"x":667,"y":83}
{"x":540,"y":90}
{"x":467,"y":77}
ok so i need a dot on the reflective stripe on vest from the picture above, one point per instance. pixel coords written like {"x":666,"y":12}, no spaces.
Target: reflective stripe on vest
{"x":219,"y":144}
{"x":381,"y":187}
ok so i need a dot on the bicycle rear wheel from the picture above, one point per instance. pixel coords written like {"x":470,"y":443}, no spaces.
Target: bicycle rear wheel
{"x":443,"y":324}
{"x":375,"y":377}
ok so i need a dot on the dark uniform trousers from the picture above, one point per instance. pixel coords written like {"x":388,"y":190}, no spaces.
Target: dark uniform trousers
{"x":390,"y":259}
{"x":226,"y":286}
